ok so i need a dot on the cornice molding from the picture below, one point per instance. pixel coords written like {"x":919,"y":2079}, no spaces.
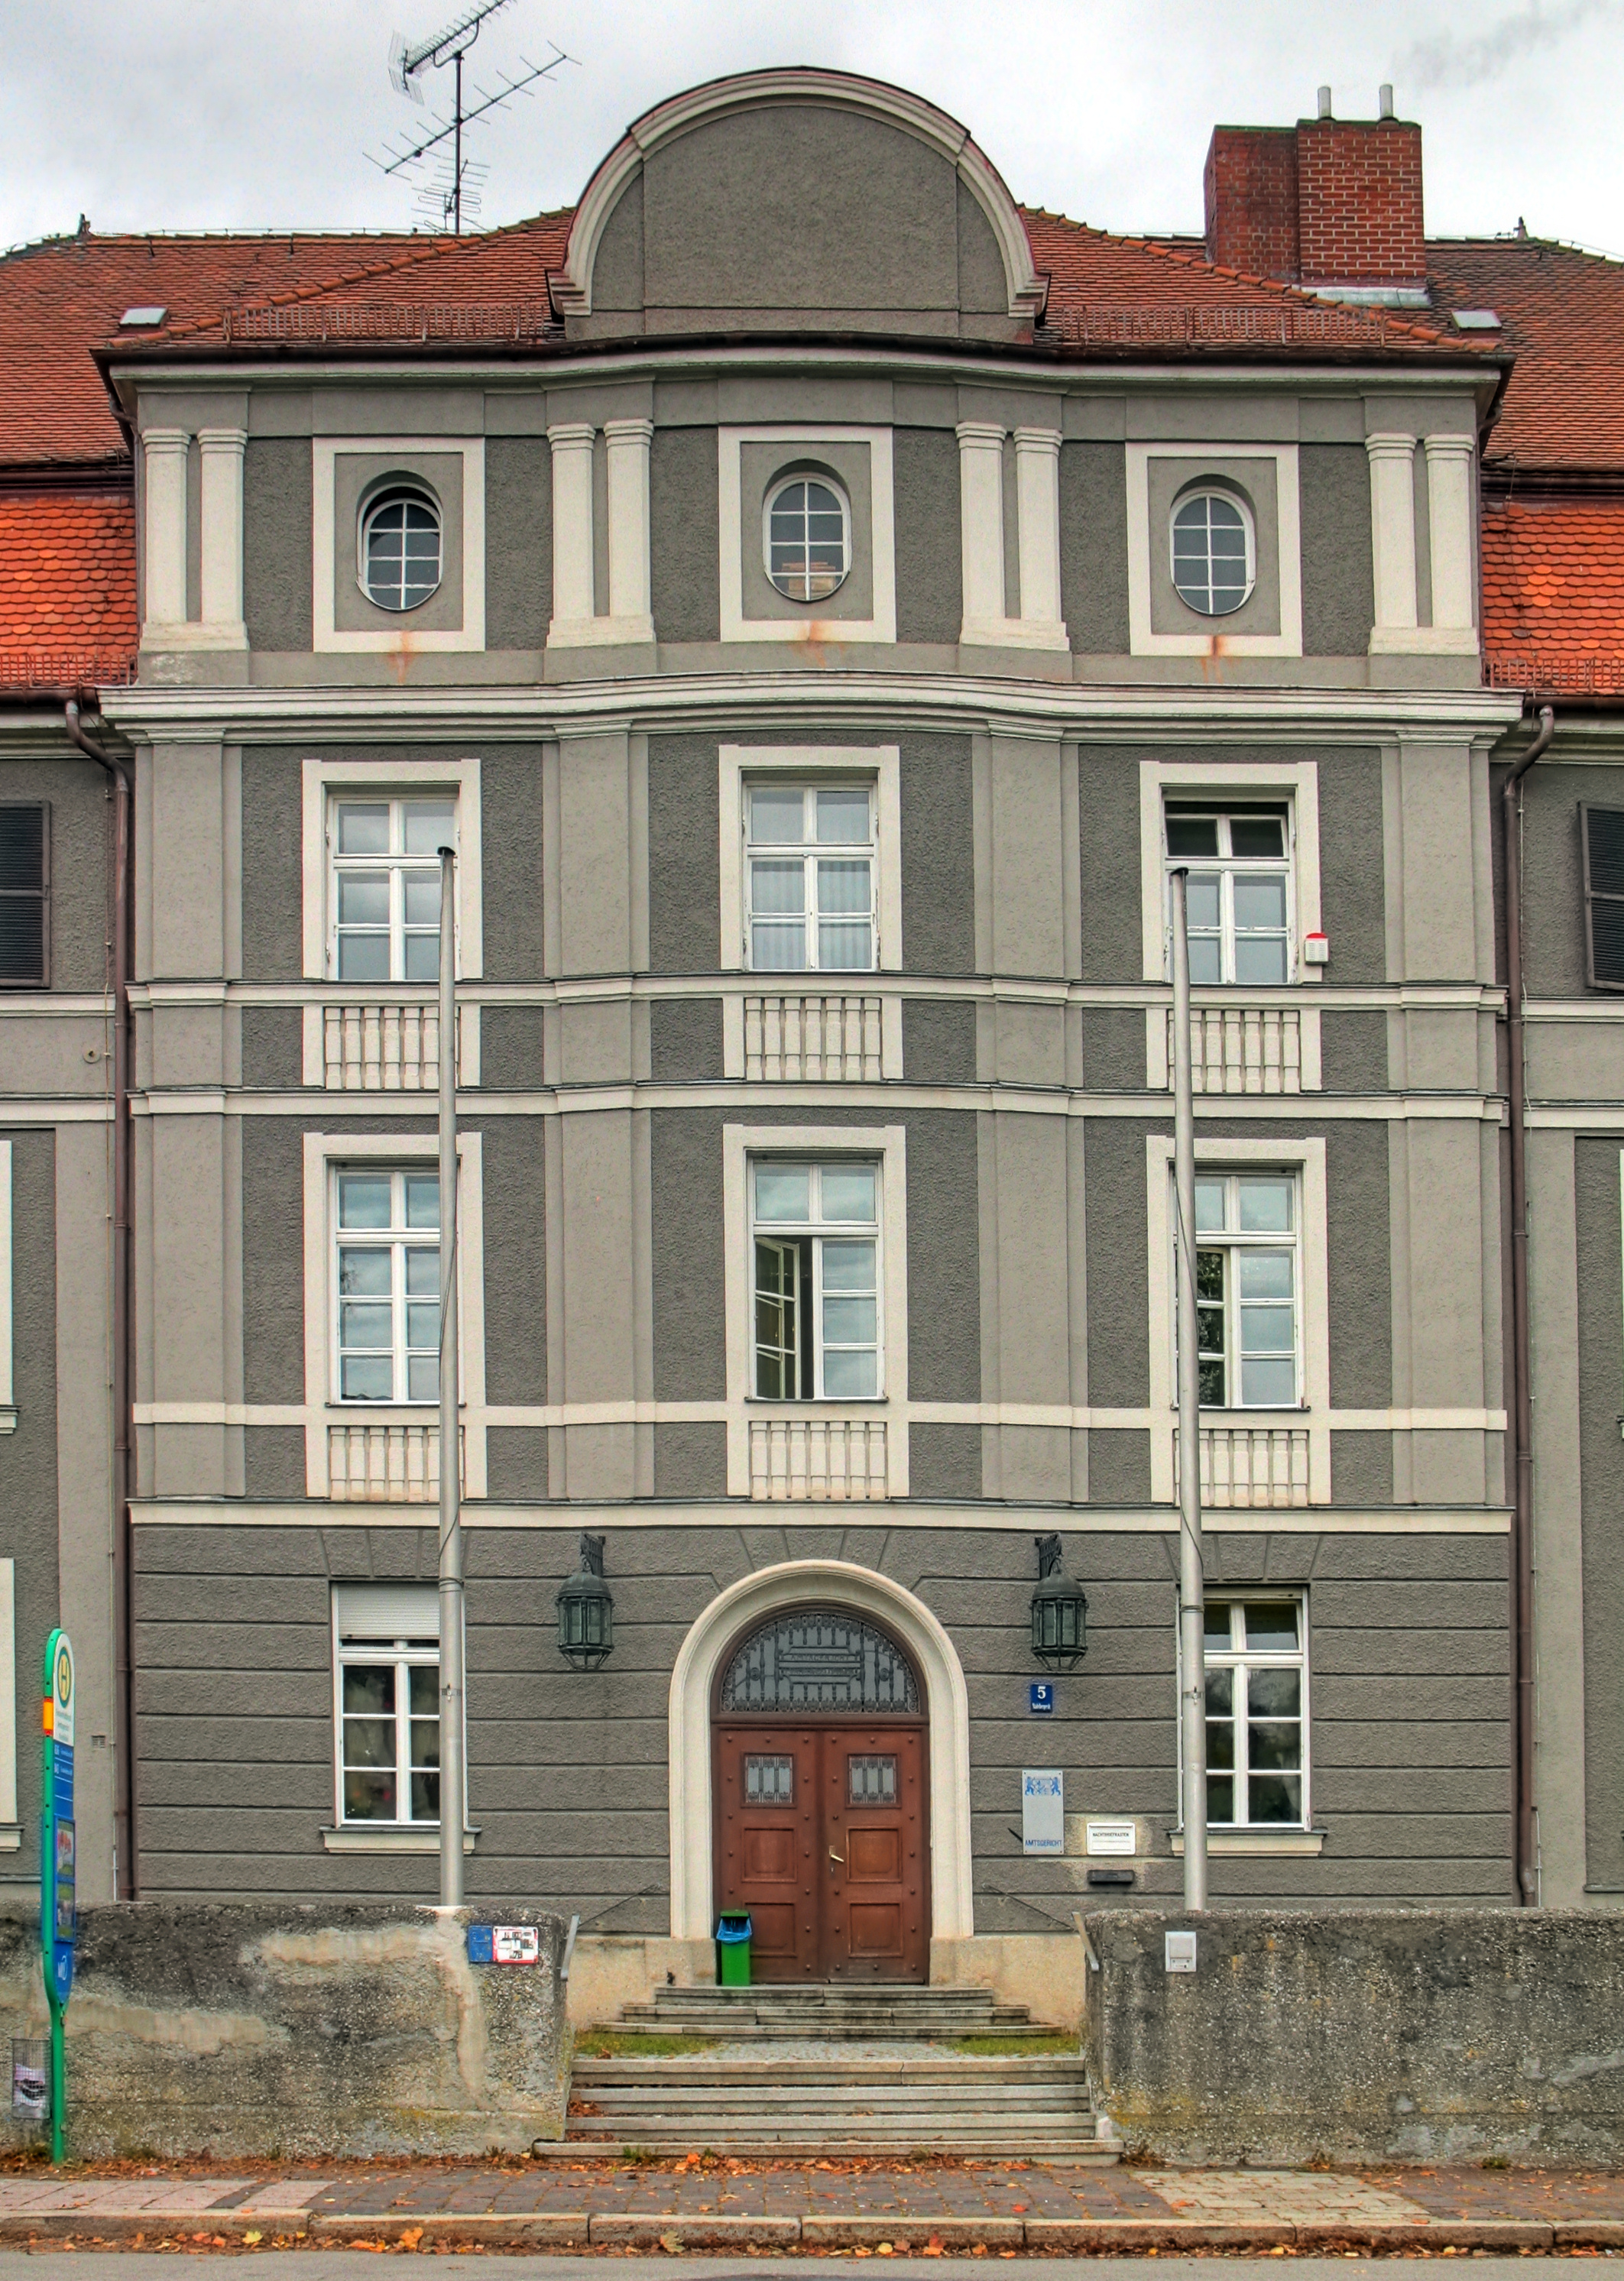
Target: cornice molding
{"x":875,"y":701}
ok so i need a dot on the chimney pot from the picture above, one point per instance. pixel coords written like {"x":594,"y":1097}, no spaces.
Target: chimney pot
{"x":1325,"y":103}
{"x":1385,"y":103}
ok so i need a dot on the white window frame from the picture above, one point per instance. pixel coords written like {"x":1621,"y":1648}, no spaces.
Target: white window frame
{"x":397,"y":1240}
{"x":808,"y":852}
{"x":326,"y":635}
{"x":326,"y":783}
{"x":775,"y":491}
{"x":1227,"y":866}
{"x":389,"y":495}
{"x":810,"y":1304}
{"x":1233,"y":1241}
{"x":879,"y":765}
{"x":1248,"y":526}
{"x":395,"y":862}
{"x":10,"y":1828}
{"x":1198,"y":640}
{"x":382,"y":1614}
{"x":886,"y":1145}
{"x":407,"y":1151}
{"x":1305,"y":1154}
{"x":1257,"y":1835}
{"x":807,"y":627}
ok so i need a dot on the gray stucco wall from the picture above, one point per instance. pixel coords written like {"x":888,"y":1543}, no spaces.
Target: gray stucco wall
{"x":515,"y":1259}
{"x":938,"y":856}
{"x":683,"y":535}
{"x":929,"y":579}
{"x":1094,"y":546}
{"x":1118,"y":1289}
{"x":1601,"y":1452}
{"x":28,"y":1464}
{"x":273,"y":1260}
{"x":1407,"y":1648}
{"x":511,"y":852}
{"x":684,"y":889}
{"x":518,"y":541}
{"x":1554,"y":873}
{"x":277,"y":540}
{"x":684,"y":1040}
{"x":939,"y":1041}
{"x":272,"y":865}
{"x":1339,"y":603}
{"x":80,"y":862}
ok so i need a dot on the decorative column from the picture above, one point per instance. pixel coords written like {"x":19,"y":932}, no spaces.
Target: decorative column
{"x":981,"y":527}
{"x":1449,"y":501}
{"x":1037,"y":496}
{"x":573,"y":604}
{"x":164,"y":451}
{"x":1392,"y":517}
{"x":628,"y":445}
{"x":220,"y":451}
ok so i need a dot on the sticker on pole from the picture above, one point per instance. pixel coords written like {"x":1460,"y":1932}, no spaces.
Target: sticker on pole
{"x":515,"y":1944}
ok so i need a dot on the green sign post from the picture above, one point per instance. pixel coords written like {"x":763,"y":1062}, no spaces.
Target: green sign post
{"x":57,"y":1919}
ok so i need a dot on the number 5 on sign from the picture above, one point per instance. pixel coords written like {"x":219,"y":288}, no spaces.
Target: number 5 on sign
{"x":58,"y":1919}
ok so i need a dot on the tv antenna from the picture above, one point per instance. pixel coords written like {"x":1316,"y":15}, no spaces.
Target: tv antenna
{"x":451,"y":192}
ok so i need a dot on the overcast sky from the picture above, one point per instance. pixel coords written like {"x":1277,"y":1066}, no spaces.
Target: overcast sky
{"x":251,"y":114}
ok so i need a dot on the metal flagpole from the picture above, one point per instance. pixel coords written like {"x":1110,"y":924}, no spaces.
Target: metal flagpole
{"x":454,"y":1772}
{"x":1192,"y":1582}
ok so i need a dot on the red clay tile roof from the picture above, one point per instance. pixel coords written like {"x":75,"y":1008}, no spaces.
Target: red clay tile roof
{"x":1563,"y":316}
{"x":68,"y":584}
{"x":60,"y":299}
{"x":1553,"y":592}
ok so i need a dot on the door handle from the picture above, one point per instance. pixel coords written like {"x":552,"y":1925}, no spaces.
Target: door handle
{"x":841,"y":1858}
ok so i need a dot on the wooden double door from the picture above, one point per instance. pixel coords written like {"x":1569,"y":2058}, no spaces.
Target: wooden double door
{"x":822,"y":1834}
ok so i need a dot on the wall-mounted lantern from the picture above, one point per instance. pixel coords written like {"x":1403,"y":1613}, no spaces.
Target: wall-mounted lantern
{"x":1059,"y":1610}
{"x":586,"y":1610}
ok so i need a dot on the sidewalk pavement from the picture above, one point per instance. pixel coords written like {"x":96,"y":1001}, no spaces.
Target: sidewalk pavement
{"x":859,"y":2208}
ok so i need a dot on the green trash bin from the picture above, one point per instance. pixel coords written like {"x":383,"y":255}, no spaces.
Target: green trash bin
{"x":733,"y":1949}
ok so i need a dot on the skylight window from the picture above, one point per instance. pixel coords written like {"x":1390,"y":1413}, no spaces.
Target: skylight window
{"x":143,"y":316}
{"x":1478,"y":321}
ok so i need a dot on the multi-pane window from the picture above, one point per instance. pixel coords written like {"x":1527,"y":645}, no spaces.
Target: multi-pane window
{"x":1238,"y":892}
{"x":809,"y":538}
{"x":1247,"y":1290}
{"x":809,"y":877}
{"x":401,"y":550}
{"x":1257,"y":1671}
{"x":387,"y":1285}
{"x":815,"y":1236}
{"x":1212,"y":553}
{"x":25,"y":893}
{"x":386,"y":887}
{"x":389,"y":1721}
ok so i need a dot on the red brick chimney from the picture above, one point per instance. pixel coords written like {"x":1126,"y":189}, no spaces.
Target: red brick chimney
{"x":1328,"y":201}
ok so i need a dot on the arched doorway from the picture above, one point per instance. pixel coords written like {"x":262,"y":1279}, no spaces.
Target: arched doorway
{"x":820,"y":1782}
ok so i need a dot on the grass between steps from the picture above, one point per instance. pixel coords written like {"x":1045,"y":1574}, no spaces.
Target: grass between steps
{"x":630,"y":2044}
{"x":1014,"y":2046}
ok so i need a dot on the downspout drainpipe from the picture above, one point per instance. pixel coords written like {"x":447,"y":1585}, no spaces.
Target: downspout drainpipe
{"x":1522,"y":1524}
{"x":126,"y":1879}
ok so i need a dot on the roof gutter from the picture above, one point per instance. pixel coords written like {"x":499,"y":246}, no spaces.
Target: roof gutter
{"x":1522,"y":1396}
{"x":126,"y":1881}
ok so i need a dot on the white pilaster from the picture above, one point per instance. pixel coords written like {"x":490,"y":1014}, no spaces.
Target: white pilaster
{"x":1449,"y":502}
{"x":1037,"y":498}
{"x":164,"y":451}
{"x":220,"y":451}
{"x":981,"y":529}
{"x":572,"y":531}
{"x":1392,"y":524}
{"x":628,"y":442}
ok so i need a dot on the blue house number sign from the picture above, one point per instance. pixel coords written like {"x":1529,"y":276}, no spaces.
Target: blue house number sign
{"x":1041,"y":1698}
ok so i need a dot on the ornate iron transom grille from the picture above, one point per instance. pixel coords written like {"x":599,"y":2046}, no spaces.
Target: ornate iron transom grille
{"x":819,"y":1660}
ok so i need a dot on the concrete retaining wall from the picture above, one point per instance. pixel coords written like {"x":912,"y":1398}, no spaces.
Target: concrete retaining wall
{"x":1408,"y":2035}
{"x":232,"y":2029}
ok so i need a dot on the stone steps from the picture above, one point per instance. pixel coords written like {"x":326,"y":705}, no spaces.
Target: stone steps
{"x":880,"y":2012}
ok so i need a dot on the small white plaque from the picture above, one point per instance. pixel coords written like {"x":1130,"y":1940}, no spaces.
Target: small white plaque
{"x":1112,"y":1838}
{"x":1180,"y":1952}
{"x":1043,"y":1810}
{"x":515,"y":1944}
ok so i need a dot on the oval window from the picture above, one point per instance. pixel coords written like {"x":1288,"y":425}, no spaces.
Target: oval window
{"x":400,"y":550}
{"x":809,"y":538}
{"x":1213,"y":556}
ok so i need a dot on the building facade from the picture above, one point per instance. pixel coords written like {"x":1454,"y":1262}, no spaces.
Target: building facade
{"x":819,"y":599}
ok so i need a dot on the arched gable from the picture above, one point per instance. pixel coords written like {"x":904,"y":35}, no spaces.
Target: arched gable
{"x":800,"y":200}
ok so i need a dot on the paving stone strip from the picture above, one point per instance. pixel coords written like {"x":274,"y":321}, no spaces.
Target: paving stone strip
{"x":994,"y":2208}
